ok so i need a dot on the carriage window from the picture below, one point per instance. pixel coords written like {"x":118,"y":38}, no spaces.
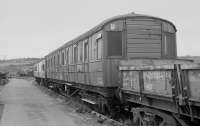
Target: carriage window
{"x":49,"y":65}
{"x":54,"y":60}
{"x":75,"y":57}
{"x":90,"y":48}
{"x":93,"y":47}
{"x":51,"y":62}
{"x":58,"y":59}
{"x":70,"y":55}
{"x":66,"y":55}
{"x":99,"y":48}
{"x":169,"y":46}
{"x":86,"y":49}
{"x":63,"y":58}
{"x":47,"y":62}
{"x":80,"y":52}
{"x":114,"y":43}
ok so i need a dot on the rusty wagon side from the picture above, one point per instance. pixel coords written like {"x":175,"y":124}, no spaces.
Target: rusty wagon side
{"x":170,"y":86}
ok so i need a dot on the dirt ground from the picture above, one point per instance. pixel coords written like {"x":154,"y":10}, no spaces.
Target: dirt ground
{"x":23,"y":103}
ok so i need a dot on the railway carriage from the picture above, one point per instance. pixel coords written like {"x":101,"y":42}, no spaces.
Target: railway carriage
{"x":39,"y":71}
{"x":106,"y":67}
{"x":92,"y":59}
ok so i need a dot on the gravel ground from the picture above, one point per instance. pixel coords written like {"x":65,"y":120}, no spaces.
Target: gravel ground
{"x":24,"y":103}
{"x":82,"y":114}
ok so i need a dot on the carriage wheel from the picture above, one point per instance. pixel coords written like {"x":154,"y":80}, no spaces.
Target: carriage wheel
{"x":151,"y":117}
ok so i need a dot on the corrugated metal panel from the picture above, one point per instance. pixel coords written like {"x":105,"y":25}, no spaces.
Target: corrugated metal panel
{"x":149,"y":55}
{"x":144,"y":31}
{"x":140,"y":27}
{"x":143,"y":21}
{"x":145,"y":41}
{"x":143,"y":50}
{"x":144,"y":45}
{"x":143,"y":38}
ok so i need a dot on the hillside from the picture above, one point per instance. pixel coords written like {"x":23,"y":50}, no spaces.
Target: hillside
{"x":196,"y":59}
{"x":20,"y":65}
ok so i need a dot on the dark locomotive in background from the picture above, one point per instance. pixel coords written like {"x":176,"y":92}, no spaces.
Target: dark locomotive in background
{"x":3,"y":78}
{"x":128,"y":63}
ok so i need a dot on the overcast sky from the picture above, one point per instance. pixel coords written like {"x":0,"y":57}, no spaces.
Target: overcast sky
{"x":33,"y":28}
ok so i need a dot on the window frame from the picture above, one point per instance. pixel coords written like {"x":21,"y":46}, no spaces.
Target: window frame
{"x":90,"y":49}
{"x":70,"y":55}
{"x":66,"y":56}
{"x":80,"y":52}
{"x":93,"y":47}
{"x":99,"y":40}
{"x":75,"y":53}
{"x":54,"y":58}
{"x":58,"y":59}
{"x":62,"y":58}
{"x":86,"y":50}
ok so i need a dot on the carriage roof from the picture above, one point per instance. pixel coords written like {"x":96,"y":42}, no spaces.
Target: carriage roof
{"x":105,"y":22}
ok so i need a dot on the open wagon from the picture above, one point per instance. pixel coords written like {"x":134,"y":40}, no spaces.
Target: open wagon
{"x":162,"y":92}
